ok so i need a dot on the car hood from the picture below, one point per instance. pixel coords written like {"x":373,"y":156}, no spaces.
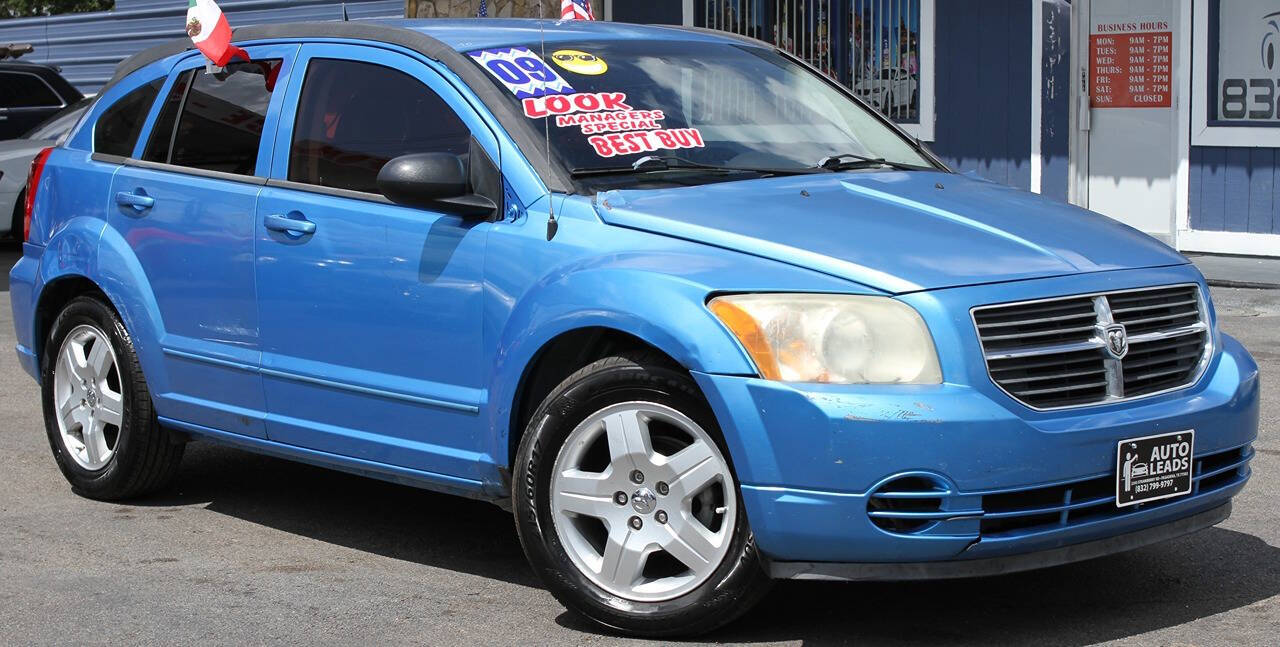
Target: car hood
{"x":896,"y":231}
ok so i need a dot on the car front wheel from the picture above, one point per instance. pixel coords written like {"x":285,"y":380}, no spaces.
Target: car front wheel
{"x":627,"y":506}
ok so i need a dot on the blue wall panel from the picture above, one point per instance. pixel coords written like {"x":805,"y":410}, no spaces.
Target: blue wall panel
{"x":983,"y":61}
{"x":89,"y":45}
{"x":1233,"y":188}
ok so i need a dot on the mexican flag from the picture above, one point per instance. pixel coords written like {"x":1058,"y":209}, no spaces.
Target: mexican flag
{"x":211,"y":32}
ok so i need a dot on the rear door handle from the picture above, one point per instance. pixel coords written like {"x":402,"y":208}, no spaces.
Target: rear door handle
{"x":139,"y":200}
{"x":297,"y":226}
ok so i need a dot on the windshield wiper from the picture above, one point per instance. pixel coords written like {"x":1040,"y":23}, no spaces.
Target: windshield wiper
{"x":846,"y":161}
{"x":661,"y":163}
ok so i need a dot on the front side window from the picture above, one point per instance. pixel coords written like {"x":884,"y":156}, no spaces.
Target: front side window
{"x":117,"y":129}
{"x":26,"y":90}
{"x":354,"y":117}
{"x":219,"y":118}
{"x":607,"y":105}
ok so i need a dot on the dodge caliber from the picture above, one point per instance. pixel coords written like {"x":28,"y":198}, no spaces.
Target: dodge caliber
{"x":697,"y":315}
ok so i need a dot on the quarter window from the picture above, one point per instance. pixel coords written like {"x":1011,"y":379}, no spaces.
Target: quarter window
{"x":117,"y":129}
{"x":25,"y":90}
{"x":219,"y":124}
{"x":355,"y":117}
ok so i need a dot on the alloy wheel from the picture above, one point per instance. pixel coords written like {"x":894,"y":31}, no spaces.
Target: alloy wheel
{"x":643,"y":501}
{"x":88,"y":394}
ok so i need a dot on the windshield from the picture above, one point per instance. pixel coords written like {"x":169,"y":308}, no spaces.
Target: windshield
{"x":60,"y":123}
{"x":714,"y":104}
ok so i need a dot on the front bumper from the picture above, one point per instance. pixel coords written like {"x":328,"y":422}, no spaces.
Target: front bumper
{"x":1012,"y":481}
{"x":989,"y":566}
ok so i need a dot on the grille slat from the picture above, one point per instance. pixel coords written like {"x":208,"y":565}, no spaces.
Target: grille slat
{"x":1043,"y":354}
{"x":1043,"y":320}
{"x":1190,"y":302}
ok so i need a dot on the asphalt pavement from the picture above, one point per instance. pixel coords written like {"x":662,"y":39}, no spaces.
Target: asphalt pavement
{"x":247,"y":550}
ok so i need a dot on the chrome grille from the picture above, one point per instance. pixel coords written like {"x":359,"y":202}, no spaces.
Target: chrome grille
{"x":1052,"y":353}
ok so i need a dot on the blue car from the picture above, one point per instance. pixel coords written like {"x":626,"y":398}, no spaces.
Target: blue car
{"x":696,"y":314}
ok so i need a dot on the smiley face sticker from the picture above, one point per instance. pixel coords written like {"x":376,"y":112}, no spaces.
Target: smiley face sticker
{"x":579,"y":62}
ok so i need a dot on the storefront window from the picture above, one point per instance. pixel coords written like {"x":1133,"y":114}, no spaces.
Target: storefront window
{"x":1245,"y":59}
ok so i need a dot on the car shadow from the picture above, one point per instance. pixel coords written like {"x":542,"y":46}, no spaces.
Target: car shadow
{"x":386,"y":519}
{"x":1115,"y":597}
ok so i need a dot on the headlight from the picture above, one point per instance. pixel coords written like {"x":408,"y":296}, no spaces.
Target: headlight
{"x":842,"y":339}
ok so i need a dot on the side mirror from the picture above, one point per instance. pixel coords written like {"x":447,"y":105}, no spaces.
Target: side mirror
{"x":436,"y":181}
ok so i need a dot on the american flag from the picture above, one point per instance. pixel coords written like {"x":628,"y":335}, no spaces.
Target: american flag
{"x":484,"y":9}
{"x":576,"y":10}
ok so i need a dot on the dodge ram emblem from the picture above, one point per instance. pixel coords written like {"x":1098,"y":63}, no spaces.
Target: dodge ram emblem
{"x":1117,"y":340}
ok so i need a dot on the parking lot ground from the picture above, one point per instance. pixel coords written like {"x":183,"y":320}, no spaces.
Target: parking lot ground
{"x":247,"y":550}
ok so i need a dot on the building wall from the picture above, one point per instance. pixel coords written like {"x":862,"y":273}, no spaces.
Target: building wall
{"x":983,"y":79}
{"x":89,"y":45}
{"x":1233,"y":189}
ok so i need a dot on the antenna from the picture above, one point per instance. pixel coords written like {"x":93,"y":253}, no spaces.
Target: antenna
{"x":552,"y":225}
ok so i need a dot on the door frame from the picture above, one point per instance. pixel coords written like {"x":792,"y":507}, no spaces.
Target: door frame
{"x":1079,"y":117}
{"x":1078,"y":112}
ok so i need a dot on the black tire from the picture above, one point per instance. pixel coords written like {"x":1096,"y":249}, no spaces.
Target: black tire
{"x":146,"y":455}
{"x":738,"y":583}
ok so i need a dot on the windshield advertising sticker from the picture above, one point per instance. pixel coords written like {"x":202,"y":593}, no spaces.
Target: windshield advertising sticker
{"x":579,"y":62}
{"x":524,"y":73}
{"x":645,"y":141}
{"x":1153,"y":467}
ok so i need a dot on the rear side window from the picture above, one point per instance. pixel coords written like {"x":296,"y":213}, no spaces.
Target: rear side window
{"x":219,"y":118}
{"x":24,"y":90}
{"x":354,"y":117}
{"x":117,"y":129}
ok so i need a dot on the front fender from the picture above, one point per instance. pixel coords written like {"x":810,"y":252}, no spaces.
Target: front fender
{"x":624,"y":293}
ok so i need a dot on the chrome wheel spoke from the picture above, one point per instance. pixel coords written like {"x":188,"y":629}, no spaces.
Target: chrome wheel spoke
{"x":691,"y":543}
{"x":628,"y":439}
{"x":76,"y":358}
{"x":592,"y":506}
{"x":99,"y":361}
{"x":693,"y":480}
{"x":687,"y":459}
{"x":588,"y":484}
{"x":110,"y":408}
{"x":95,"y":442}
{"x":624,"y":557}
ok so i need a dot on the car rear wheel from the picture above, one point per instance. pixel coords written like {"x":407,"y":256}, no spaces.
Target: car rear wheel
{"x":627,"y":506}
{"x":97,"y":408}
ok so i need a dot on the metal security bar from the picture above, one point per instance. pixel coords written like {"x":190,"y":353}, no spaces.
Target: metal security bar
{"x":872,"y":46}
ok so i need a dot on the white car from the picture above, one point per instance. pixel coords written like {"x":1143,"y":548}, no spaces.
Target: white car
{"x":15,"y":163}
{"x":890,"y":88}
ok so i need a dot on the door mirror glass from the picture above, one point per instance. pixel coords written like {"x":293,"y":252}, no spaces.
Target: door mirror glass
{"x":434,"y":181}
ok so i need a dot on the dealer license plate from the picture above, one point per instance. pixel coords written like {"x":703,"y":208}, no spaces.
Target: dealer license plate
{"x":1154,"y":467}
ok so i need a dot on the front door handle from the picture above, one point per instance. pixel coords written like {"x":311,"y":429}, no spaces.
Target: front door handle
{"x":139,"y":200}
{"x":296,"y":226}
